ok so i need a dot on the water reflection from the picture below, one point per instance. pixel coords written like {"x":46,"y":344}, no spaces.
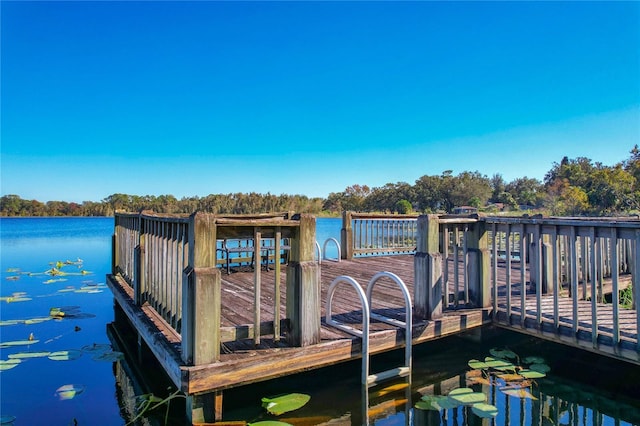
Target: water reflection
{"x":337,"y":398}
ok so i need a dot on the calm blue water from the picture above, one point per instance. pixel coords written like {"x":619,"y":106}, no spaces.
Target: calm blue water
{"x":31,"y":246}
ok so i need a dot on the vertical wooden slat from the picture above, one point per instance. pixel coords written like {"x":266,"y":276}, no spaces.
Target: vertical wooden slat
{"x":456,"y":270}
{"x":445,"y":265}
{"x":594,"y":279}
{"x":556,"y":277}
{"x":507,"y":248}
{"x":257,"y":271}
{"x":574,"y":278}
{"x":523,"y":274}
{"x":615,"y":296}
{"x":494,"y":267}
{"x":584,"y":266}
{"x":465,"y":263}
{"x":636,"y":287}
{"x":537,"y":271}
{"x":276,"y":292}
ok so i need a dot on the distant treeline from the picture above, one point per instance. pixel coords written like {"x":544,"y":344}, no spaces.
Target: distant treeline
{"x":572,"y":187}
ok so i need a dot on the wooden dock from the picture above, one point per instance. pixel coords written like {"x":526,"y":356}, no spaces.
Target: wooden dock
{"x":242,"y":362}
{"x":212,"y":331}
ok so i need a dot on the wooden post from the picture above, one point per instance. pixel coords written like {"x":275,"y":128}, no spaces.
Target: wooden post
{"x":201,"y":295}
{"x":479,"y":269}
{"x":139,"y":270}
{"x":547,"y":265}
{"x":428,"y":269}
{"x":303,"y":286}
{"x":346,"y":236}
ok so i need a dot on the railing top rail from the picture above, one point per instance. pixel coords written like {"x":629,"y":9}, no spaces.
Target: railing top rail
{"x":355,"y":215}
{"x":620,"y":222}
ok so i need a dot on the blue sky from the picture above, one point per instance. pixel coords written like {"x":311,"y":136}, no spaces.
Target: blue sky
{"x":198,"y":98}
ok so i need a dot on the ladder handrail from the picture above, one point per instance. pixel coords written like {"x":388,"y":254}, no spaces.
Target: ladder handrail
{"x":364,"y":334}
{"x":408,"y":322}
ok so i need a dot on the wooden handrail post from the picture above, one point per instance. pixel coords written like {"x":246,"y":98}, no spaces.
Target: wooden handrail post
{"x":303,"y":286}
{"x":346,"y":236}
{"x":547,"y":265}
{"x":479,"y":271}
{"x":201,"y":294}
{"x":139,"y":267}
{"x":428,"y":269}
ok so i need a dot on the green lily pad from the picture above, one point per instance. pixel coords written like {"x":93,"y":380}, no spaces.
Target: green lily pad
{"x":8,"y":364}
{"x":36,"y":320}
{"x":477,"y":365}
{"x":7,"y":420}
{"x":466,"y":396}
{"x":10,"y":322}
{"x":17,"y":343}
{"x":285,"y":403}
{"x":503,"y":353}
{"x":69,"y":391}
{"x":531,"y":374}
{"x":69,"y":355}
{"x":486,"y":411}
{"x":25,"y":355}
{"x":540,"y":368}
{"x":110,"y":356}
{"x":499,"y":364}
{"x":436,"y":403}
{"x":533,"y":360}
{"x":96,"y":348}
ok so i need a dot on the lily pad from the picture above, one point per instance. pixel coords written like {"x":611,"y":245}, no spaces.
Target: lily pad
{"x":110,"y":356}
{"x":503,"y":353}
{"x":36,"y":320}
{"x":10,"y":322}
{"x":477,"y":365}
{"x":531,"y":374}
{"x":270,"y":423}
{"x":533,"y":360}
{"x":7,"y":420}
{"x":17,"y":343}
{"x":436,"y":403}
{"x":499,"y":364}
{"x":69,"y":355}
{"x":8,"y":364}
{"x":540,"y":368}
{"x":486,"y":411}
{"x":25,"y":355}
{"x":285,"y":403}
{"x":466,"y":396}
{"x":69,"y":391}
{"x":96,"y":348}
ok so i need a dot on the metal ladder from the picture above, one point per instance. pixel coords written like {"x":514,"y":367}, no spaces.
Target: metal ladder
{"x":369,"y":380}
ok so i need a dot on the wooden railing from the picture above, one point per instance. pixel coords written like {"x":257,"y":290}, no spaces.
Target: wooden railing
{"x":542,"y":273}
{"x":173,"y":264}
{"x":377,"y":234}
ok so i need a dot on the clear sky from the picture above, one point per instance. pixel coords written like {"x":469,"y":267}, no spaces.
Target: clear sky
{"x":198,"y":98}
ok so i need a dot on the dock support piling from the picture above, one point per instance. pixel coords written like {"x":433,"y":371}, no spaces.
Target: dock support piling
{"x":428,"y":269}
{"x":303,"y":286}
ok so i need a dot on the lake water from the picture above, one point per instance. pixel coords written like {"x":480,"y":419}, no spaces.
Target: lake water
{"x":39,"y":387}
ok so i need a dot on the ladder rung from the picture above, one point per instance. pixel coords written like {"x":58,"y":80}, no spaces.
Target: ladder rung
{"x":374,"y":379}
{"x":388,"y":320}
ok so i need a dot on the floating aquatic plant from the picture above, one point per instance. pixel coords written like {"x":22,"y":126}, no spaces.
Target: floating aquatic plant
{"x":25,"y":355}
{"x":284,"y":403}
{"x":8,"y":364}
{"x":7,"y":420}
{"x":18,"y":343}
{"x":110,"y":356}
{"x":67,"y":355}
{"x":68,"y":391}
